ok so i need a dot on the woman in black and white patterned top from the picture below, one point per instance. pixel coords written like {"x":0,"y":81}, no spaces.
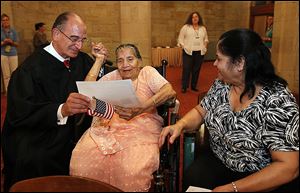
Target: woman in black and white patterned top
{"x":252,"y":119}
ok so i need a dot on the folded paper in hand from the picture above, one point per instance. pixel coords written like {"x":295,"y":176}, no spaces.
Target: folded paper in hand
{"x":197,"y":189}
{"x":115,"y":92}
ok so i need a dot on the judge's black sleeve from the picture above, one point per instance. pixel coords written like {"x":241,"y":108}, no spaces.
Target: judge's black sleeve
{"x":32,"y":141}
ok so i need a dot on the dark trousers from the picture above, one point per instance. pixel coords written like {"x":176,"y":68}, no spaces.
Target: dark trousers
{"x":207,"y":171}
{"x":191,"y":66}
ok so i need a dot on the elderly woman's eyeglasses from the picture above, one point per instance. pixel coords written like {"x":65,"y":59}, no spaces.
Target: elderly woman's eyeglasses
{"x":74,"y":39}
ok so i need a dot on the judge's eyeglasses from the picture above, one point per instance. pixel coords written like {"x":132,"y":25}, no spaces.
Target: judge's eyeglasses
{"x":75,"y":39}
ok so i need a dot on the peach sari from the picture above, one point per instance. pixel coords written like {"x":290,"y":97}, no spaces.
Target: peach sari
{"x":119,"y":152}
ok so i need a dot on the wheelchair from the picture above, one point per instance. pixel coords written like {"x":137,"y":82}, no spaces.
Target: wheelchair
{"x":166,"y":178}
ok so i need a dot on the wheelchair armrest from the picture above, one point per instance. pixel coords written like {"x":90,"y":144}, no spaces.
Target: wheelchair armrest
{"x":108,"y":68}
{"x":167,"y":176}
{"x":168,"y":172}
{"x":169,"y":109}
{"x":170,"y":103}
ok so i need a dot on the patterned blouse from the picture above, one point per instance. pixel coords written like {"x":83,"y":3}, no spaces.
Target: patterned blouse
{"x":243,"y":140}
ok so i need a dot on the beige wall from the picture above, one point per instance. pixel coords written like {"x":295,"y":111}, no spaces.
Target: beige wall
{"x":169,"y":16}
{"x":285,"y":47}
{"x":103,"y":19}
{"x":139,"y":31}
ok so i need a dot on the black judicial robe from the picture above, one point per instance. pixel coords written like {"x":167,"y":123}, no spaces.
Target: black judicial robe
{"x":32,"y":141}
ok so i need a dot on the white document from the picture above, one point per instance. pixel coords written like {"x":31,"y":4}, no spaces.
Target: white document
{"x":115,"y":92}
{"x":197,"y":189}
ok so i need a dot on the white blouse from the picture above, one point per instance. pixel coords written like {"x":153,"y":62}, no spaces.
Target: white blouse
{"x":193,"y":40}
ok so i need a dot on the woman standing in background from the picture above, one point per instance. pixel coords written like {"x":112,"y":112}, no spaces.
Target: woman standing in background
{"x":9,"y":44}
{"x":193,"y":39}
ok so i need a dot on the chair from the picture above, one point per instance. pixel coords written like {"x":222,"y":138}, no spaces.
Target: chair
{"x":188,"y":146}
{"x":108,"y":67}
{"x":62,"y":184}
{"x":166,"y":177}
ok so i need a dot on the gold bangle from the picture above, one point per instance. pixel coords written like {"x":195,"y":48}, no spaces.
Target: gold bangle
{"x":92,"y":75}
{"x":153,"y":100}
{"x":234,"y":187}
{"x":182,"y":120}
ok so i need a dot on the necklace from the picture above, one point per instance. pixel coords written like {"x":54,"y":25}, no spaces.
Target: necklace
{"x":197,"y":34}
{"x":196,"y":29}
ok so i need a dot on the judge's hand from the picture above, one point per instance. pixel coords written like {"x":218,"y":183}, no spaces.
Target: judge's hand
{"x":76,"y":103}
{"x":99,"y":51}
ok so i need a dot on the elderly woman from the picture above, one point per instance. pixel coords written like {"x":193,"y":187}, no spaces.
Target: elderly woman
{"x":252,"y":119}
{"x":123,"y":150}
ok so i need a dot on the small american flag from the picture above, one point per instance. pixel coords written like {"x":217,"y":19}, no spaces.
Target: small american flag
{"x":103,"y":110}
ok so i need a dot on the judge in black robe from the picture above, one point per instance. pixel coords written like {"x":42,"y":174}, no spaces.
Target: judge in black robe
{"x":32,"y":141}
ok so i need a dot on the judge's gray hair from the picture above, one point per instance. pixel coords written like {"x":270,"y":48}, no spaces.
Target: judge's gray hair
{"x":61,"y":20}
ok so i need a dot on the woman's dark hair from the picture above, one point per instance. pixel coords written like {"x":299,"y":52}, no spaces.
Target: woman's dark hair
{"x":189,"y":20}
{"x":132,"y":47}
{"x":246,"y":44}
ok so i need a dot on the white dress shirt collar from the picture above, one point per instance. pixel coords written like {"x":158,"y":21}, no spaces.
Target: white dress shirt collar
{"x":51,"y":50}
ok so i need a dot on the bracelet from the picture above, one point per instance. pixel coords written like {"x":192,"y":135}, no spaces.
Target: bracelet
{"x":234,"y":187}
{"x":92,"y":75}
{"x":153,"y":100}
{"x":182,"y":120}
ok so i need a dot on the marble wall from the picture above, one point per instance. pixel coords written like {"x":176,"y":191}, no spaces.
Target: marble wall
{"x":157,"y":23}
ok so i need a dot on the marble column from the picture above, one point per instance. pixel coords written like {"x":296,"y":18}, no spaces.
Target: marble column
{"x":135,"y":21}
{"x":285,"y":46}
